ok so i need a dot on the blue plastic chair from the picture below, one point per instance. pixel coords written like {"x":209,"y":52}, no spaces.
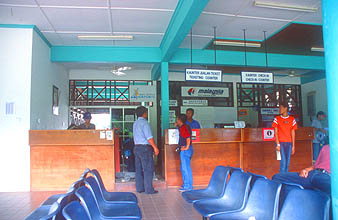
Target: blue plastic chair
{"x":234,"y":198}
{"x":85,"y":173}
{"x":233,"y":169}
{"x":255,"y":177}
{"x":119,"y":211}
{"x":75,"y":211}
{"x":55,"y":198}
{"x":286,"y":188}
{"x":47,"y":212}
{"x":126,"y":197}
{"x":215,"y":188}
{"x":306,"y":204}
{"x":262,"y":203}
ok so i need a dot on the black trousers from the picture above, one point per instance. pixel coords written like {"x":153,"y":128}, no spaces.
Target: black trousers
{"x":144,"y":165}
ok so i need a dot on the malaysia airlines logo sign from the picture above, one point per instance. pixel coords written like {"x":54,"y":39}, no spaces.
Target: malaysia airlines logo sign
{"x":212,"y":92}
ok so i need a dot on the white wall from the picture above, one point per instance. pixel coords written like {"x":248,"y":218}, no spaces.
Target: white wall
{"x":229,"y":114}
{"x":319,"y":87}
{"x":45,"y":74}
{"x":15,"y":85}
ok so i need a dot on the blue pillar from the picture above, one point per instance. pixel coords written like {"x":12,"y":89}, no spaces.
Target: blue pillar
{"x":330,"y":30}
{"x":164,"y":96}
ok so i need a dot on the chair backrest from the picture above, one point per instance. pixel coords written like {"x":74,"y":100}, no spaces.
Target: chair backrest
{"x":237,"y":189}
{"x":84,"y":174}
{"x":75,"y":210}
{"x":77,"y":184}
{"x":263,"y":199}
{"x":305,"y":204}
{"x":98,"y":178}
{"x":286,"y":188}
{"x":255,"y":177}
{"x":94,"y":188}
{"x":218,"y":180}
{"x":88,"y":201}
{"x":53,"y":211}
{"x":63,"y":201}
{"x":233,"y":169}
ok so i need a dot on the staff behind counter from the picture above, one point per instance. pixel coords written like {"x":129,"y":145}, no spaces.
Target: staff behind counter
{"x":86,"y":125}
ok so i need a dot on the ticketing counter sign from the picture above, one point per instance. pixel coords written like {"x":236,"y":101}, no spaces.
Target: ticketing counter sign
{"x":203,"y":75}
{"x":257,"y":77}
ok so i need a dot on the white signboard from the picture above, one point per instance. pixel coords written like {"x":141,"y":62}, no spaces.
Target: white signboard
{"x":212,"y":92}
{"x":195,"y":102}
{"x":269,"y":111}
{"x":268,"y":134}
{"x":203,"y":75}
{"x":172,"y":116}
{"x":142,"y":93}
{"x":256,"y":77}
{"x":173,"y":136}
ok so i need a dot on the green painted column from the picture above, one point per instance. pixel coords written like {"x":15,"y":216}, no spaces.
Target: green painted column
{"x":164,"y":96}
{"x":330,"y":31}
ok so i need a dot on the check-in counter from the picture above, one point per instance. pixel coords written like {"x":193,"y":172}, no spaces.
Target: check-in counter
{"x":235,"y":147}
{"x":59,"y":157}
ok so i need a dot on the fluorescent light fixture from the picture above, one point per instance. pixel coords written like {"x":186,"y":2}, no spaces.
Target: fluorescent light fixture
{"x":285,"y":6}
{"x":105,"y":37}
{"x":317,"y":49}
{"x":236,"y":43}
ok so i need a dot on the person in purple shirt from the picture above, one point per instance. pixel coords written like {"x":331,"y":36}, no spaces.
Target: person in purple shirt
{"x":190,"y":121}
{"x":317,"y":176}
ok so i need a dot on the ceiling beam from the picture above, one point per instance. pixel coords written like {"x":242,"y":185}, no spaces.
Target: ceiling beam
{"x":183,"y":19}
{"x":254,"y":59}
{"x":105,"y":54}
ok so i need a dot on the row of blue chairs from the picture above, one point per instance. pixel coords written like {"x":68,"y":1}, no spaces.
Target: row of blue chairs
{"x":234,"y":194}
{"x":88,"y":199}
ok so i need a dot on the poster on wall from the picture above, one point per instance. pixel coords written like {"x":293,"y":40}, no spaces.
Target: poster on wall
{"x":172,"y":116}
{"x":142,"y":93}
{"x":203,"y":75}
{"x":270,"y":111}
{"x":211,"y":92}
{"x":268,"y":134}
{"x":55,"y":106}
{"x":257,"y":77}
{"x":243,"y":112}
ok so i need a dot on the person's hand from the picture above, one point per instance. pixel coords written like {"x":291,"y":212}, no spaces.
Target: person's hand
{"x":184,"y":148}
{"x":304,"y":173}
{"x":293,"y":150}
{"x":156,"y":151}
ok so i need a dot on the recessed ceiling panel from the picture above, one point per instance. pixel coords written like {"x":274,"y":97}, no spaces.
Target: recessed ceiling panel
{"x":79,"y":19}
{"x":88,"y":3}
{"x":141,"y":41}
{"x":197,"y":42}
{"x":225,"y":6}
{"x":53,"y":38}
{"x":18,"y":2}
{"x":158,"y":4}
{"x":206,"y":22}
{"x":21,"y":15}
{"x":140,"y":21}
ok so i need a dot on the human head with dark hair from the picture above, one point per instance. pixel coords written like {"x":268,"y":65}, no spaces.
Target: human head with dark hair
{"x":189,"y":113}
{"x":283,"y":108}
{"x":181,"y":119}
{"x":321,"y":115}
{"x":141,"y":111}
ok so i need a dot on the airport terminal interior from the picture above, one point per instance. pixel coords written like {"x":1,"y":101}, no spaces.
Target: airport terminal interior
{"x":99,"y":96}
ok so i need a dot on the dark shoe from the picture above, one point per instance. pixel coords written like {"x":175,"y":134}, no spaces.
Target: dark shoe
{"x":140,"y":191}
{"x":155,"y":192}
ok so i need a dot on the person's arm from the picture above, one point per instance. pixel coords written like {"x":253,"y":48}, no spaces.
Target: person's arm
{"x":293,"y":136}
{"x":277,"y":140}
{"x":305,"y":172}
{"x":152,"y":143}
{"x":188,"y":141}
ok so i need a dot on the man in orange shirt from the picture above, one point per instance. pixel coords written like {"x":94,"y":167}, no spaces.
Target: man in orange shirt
{"x":285,"y":126}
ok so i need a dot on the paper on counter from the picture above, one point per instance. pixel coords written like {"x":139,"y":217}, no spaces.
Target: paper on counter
{"x":109,"y":135}
{"x":102,"y":134}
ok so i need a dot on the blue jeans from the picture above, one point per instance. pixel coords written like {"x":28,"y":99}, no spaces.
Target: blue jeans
{"x":144,"y":167}
{"x":315,"y":180}
{"x":316,"y":149}
{"x":185,"y":157}
{"x":285,"y":152}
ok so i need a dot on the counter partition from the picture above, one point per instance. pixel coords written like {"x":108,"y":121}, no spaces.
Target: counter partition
{"x":59,"y":157}
{"x":235,"y":147}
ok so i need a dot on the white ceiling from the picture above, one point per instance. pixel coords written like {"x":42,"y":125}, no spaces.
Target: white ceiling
{"x":61,"y":21}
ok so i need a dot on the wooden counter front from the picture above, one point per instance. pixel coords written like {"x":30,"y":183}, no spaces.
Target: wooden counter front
{"x":242,"y":148}
{"x":59,"y":157}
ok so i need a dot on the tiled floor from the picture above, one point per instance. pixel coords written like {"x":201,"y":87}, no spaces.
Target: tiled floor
{"x":166,"y":205}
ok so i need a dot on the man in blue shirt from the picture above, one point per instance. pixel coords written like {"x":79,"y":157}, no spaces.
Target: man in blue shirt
{"x":190,"y":121}
{"x":144,"y":146}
